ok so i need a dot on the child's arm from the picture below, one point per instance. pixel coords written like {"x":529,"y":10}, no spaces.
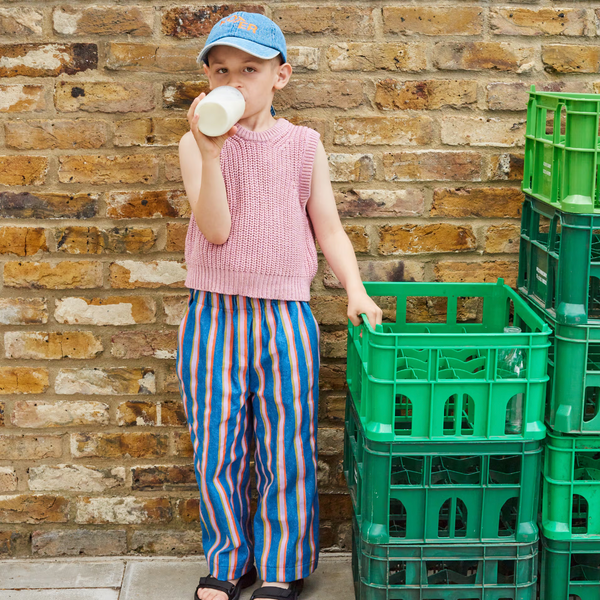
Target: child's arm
{"x":203,"y":180}
{"x":335,"y":244}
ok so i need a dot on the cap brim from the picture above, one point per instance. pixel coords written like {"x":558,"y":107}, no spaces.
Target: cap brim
{"x":248,"y":46}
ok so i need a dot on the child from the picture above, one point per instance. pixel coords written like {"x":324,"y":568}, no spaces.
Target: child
{"x":248,"y":344}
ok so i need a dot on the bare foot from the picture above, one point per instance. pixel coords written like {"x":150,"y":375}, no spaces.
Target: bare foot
{"x":282,"y":584}
{"x":209,"y":594}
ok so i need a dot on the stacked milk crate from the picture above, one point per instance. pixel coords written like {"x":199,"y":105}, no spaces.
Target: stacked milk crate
{"x":443,"y":446}
{"x":559,"y":274}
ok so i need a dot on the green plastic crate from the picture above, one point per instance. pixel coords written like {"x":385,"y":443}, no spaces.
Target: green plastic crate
{"x":442,"y":381}
{"x":442,"y":492}
{"x":570,"y":570}
{"x":561,"y":150}
{"x":446,"y":572}
{"x":573,"y":395}
{"x":559,"y":263}
{"x":571,"y":487}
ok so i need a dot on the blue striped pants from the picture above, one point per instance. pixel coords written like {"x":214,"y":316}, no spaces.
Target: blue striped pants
{"x":251,"y":366}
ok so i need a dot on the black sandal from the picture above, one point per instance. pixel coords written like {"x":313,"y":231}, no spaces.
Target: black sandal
{"x":272,"y":592}
{"x":233,"y":591}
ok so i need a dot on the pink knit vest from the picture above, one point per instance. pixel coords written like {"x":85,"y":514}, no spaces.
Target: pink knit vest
{"x":270,"y":252}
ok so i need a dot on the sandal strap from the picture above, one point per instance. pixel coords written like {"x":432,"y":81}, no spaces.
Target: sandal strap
{"x":273,"y":592}
{"x":212,"y":583}
{"x":232,"y":591}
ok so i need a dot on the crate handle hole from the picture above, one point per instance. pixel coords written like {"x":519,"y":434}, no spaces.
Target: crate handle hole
{"x":579,"y":519}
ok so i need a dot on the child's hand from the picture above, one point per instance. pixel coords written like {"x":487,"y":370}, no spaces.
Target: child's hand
{"x":210,"y":147}
{"x":361,"y":302}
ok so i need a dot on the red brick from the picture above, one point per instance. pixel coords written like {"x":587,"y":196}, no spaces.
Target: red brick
{"x":46,"y":60}
{"x":196,"y":21}
{"x":22,"y":97}
{"x":432,"y":165}
{"x":435,"y":237}
{"x":454,"y":20}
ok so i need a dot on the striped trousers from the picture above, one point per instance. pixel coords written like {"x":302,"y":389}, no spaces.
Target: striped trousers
{"x":249,"y":367}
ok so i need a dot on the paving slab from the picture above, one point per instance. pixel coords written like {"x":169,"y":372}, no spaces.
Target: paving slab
{"x":45,"y":574}
{"x":148,"y":580}
{"x":62,"y":594}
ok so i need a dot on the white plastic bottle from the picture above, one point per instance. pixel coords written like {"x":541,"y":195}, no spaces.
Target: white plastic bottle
{"x":220,"y":110}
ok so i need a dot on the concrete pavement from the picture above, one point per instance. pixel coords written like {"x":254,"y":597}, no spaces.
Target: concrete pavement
{"x":144,"y":578}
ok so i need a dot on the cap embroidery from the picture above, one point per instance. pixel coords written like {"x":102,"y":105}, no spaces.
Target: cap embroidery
{"x":242,"y":23}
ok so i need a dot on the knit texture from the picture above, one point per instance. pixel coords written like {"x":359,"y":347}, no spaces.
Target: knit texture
{"x":270,"y":252}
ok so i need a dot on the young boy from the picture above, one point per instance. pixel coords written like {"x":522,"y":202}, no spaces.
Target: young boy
{"x":248,"y":344}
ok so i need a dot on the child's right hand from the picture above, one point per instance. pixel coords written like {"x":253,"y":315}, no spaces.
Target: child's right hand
{"x":210,"y":147}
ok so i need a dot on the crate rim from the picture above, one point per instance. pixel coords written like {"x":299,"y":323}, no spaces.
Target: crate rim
{"x":513,"y":295}
{"x":565,"y":95}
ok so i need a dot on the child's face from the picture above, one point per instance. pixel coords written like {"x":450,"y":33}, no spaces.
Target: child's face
{"x":256,"y":78}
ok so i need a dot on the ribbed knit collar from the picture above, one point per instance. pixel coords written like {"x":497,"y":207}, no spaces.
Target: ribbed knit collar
{"x":274,"y":132}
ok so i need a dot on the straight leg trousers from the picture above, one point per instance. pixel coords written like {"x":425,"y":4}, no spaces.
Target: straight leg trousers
{"x":250,"y":366}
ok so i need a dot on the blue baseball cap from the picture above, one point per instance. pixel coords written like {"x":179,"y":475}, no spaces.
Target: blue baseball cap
{"x":251,"y":32}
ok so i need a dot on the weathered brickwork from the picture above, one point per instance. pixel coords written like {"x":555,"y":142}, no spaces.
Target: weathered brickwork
{"x":421,"y":108}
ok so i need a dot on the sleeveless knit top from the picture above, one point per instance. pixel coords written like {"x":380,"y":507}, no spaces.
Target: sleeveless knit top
{"x":270,"y":252}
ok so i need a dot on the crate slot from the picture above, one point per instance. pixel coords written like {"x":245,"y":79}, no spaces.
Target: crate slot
{"x":591,"y":403}
{"x":514,"y":407}
{"x":594,"y":298}
{"x":459,"y":415}
{"x":585,"y":567}
{"x":455,"y":572}
{"x":549,"y":131}
{"x":403,"y":415}
{"x":453,"y":519}
{"x":579,"y":519}
{"x":456,"y":470}
{"x":398,"y":573}
{"x":397,"y":519}
{"x":407,"y":470}
{"x":508,"y":517}
{"x":505,"y":470}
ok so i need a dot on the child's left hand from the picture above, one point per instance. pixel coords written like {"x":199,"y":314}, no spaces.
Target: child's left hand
{"x":361,"y":302}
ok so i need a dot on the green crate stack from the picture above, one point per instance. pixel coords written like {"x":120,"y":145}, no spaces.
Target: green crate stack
{"x":443,"y":445}
{"x":559,"y":276}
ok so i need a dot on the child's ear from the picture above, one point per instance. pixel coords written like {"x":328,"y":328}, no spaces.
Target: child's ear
{"x":283,"y":75}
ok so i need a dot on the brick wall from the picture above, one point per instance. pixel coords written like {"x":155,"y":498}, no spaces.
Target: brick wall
{"x":421,"y":110}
